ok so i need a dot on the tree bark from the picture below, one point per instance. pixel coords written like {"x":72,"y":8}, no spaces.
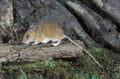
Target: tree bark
{"x":6,"y":16}
{"x":97,"y":28}
{"x":111,"y":11}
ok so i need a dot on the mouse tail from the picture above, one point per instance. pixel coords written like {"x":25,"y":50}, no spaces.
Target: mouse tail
{"x":84,"y":50}
{"x":73,"y":41}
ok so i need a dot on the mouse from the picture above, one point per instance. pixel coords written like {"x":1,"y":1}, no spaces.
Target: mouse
{"x":43,"y":32}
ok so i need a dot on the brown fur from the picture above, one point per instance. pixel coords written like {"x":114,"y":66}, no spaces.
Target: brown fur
{"x":49,"y":30}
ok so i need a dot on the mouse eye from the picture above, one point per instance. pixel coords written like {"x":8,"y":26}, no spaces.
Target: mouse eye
{"x":27,"y":36}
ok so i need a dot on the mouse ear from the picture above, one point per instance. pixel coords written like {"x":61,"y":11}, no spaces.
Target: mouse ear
{"x":33,"y":26}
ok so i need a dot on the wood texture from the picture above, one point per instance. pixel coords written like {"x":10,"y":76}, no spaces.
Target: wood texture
{"x":11,"y":53}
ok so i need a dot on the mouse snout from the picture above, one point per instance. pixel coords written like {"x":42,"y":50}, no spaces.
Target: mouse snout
{"x":29,"y":42}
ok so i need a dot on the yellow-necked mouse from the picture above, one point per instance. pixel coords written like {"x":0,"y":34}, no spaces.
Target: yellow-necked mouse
{"x":48,"y":31}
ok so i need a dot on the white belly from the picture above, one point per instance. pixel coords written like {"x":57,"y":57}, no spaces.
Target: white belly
{"x":50,"y":39}
{"x":46,"y":40}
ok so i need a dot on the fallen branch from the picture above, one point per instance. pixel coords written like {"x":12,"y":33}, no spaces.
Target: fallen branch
{"x":10,"y":53}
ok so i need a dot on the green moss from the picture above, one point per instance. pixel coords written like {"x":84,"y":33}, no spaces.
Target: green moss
{"x":117,"y":71}
{"x":102,"y":56}
{"x":63,"y":69}
{"x":30,"y":70}
{"x":105,"y":59}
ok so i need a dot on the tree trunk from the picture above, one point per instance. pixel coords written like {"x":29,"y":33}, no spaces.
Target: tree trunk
{"x":6,"y":18}
{"x":100,"y":29}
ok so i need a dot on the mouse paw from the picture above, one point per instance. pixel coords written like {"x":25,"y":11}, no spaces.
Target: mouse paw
{"x":55,"y":44}
{"x":35,"y":43}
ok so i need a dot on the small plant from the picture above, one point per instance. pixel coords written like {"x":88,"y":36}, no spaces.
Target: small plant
{"x":117,"y":70}
{"x":50,"y":64}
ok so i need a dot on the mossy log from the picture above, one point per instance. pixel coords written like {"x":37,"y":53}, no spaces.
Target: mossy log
{"x":12,"y":53}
